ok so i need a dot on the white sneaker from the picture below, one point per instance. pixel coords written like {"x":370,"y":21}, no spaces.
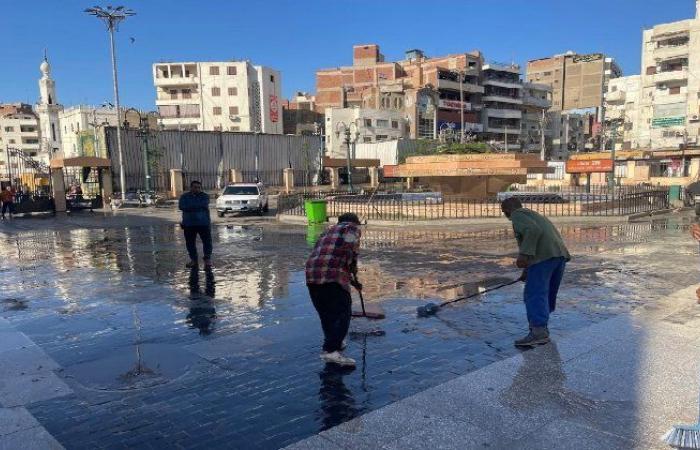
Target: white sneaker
{"x":338,"y":358}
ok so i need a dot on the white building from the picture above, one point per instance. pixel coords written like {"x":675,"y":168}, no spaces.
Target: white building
{"x":370,"y":125}
{"x":19,"y":130}
{"x":669,"y":113}
{"x":48,"y":110}
{"x":221,"y":96}
{"x":622,"y":111}
{"x":82,"y":129}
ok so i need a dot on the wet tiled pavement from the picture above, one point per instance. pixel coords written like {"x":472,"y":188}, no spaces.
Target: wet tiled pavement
{"x":157,"y":356}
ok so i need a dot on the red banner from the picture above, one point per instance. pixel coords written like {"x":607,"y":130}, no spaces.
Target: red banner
{"x":389,"y":171}
{"x":274,"y":108}
{"x":589,"y":165}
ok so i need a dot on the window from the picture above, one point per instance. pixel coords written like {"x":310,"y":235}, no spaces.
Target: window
{"x":231,"y":70}
{"x":233,"y":110}
{"x":382,"y":123}
{"x":215,"y":92}
{"x":368,"y":122}
{"x":472,"y":63}
{"x":381,"y":137}
{"x":394,"y":124}
{"x":32,"y":153}
{"x":11,"y":141}
{"x":217,"y":110}
{"x":367,"y":139}
{"x":651,"y":70}
{"x":547,"y":74}
{"x":214,"y":70}
{"x":272,"y":78}
{"x":173,"y":94}
{"x":217,"y":128}
{"x":186,"y":93}
{"x":234,"y":128}
{"x":674,"y":90}
{"x":53,"y":132}
{"x":9,"y":129}
{"x":233,"y":91}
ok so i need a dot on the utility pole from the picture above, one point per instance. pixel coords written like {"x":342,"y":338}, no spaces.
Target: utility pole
{"x":543,"y":153}
{"x":611,"y":181}
{"x":112,"y":16}
{"x":505,"y":138}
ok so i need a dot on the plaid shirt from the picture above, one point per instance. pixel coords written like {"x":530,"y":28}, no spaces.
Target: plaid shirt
{"x":334,"y":256}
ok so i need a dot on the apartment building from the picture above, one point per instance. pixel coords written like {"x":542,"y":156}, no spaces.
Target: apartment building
{"x":569,"y":133}
{"x":219,"y":96}
{"x":578,"y":82}
{"x":19,"y":129}
{"x":429,"y":91}
{"x":669,"y":101}
{"x":622,"y":112}
{"x":366,"y":125}
{"x":503,"y":105}
{"x":535,"y":133}
{"x":82,"y":129}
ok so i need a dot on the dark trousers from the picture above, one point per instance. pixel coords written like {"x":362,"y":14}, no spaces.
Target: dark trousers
{"x":541,"y":289}
{"x":204,"y":233}
{"x":7,"y":206}
{"x":334,"y":307}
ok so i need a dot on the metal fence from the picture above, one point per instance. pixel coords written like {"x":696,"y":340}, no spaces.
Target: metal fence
{"x":398,"y":207}
{"x":208,"y":156}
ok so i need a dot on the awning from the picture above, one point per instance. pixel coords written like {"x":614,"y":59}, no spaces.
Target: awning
{"x":80,"y":161}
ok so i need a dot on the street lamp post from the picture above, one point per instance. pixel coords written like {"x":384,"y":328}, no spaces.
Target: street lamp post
{"x":112,"y":16}
{"x":347,"y":131}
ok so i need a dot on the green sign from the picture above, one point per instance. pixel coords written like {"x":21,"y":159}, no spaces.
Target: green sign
{"x":663,"y":122}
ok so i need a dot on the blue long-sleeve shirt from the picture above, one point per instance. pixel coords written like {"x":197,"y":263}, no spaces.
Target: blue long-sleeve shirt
{"x":195,"y":209}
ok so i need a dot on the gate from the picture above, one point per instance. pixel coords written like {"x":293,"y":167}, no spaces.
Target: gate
{"x":31,"y":181}
{"x":83,"y":187}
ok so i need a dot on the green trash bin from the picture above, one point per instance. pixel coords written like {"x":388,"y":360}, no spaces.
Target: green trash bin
{"x":316,"y":211}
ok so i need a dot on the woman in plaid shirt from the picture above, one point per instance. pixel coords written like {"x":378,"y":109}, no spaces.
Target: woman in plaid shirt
{"x":329,"y":275}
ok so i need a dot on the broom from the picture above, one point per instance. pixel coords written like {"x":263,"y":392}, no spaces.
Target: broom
{"x":683,"y":436}
{"x":431,"y":308}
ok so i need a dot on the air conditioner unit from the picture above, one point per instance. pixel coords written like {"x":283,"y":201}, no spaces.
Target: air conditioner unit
{"x":694,"y":118}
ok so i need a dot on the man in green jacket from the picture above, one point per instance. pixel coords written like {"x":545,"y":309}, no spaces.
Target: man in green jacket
{"x":543,"y":256}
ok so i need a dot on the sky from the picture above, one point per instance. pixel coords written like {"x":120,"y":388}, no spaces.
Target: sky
{"x":299,"y":37}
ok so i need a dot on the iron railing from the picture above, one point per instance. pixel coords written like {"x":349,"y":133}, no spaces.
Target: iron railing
{"x":400,"y":207}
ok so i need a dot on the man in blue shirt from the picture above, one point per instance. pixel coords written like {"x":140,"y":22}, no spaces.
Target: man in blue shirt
{"x":196,"y":221}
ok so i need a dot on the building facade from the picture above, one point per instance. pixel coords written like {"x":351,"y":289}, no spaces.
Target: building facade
{"x":503,"y":105}
{"x":669,"y":103}
{"x":370,"y":125}
{"x":219,"y":96}
{"x":82,"y":129}
{"x":622,"y":112}
{"x":536,"y":134}
{"x":19,"y":130}
{"x":300,"y":115}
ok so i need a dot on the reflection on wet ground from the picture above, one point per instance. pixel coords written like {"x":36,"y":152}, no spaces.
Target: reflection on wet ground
{"x":160,"y":355}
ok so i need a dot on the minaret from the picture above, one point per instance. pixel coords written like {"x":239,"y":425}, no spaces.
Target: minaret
{"x":48,"y":109}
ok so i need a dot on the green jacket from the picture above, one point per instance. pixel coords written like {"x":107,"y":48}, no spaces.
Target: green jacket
{"x":537,"y":237}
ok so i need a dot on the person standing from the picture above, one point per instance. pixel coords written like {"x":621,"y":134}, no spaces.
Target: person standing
{"x":543,"y":256}
{"x":194,"y":205}
{"x":8,"y":198}
{"x":330,"y":271}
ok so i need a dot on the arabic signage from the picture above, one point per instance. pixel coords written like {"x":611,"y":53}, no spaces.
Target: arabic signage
{"x":588,"y":58}
{"x":274,"y":108}
{"x":454,"y":104}
{"x":664,"y":122}
{"x":589,"y":165}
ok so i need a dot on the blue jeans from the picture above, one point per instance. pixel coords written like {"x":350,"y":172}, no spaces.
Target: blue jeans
{"x":541,"y":288}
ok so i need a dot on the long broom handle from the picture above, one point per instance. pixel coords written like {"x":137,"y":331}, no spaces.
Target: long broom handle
{"x":480,"y":293}
{"x":359,"y":291}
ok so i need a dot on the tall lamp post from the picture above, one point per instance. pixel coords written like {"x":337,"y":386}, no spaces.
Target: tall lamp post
{"x":112,"y":16}
{"x":144,"y":132}
{"x":350,"y":138}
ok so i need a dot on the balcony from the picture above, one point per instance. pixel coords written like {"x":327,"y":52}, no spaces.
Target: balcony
{"x":454,"y":86}
{"x":503,"y":83}
{"x":671,"y":52}
{"x":536,"y":101}
{"x":673,"y":75}
{"x":502,"y":99}
{"x":503,"y":113}
{"x":177,"y":81}
{"x":616,"y":98}
{"x":499,"y":130}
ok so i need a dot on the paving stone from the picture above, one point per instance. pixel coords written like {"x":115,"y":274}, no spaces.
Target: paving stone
{"x":16,"y":419}
{"x":29,"y":439}
{"x":26,"y":389}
